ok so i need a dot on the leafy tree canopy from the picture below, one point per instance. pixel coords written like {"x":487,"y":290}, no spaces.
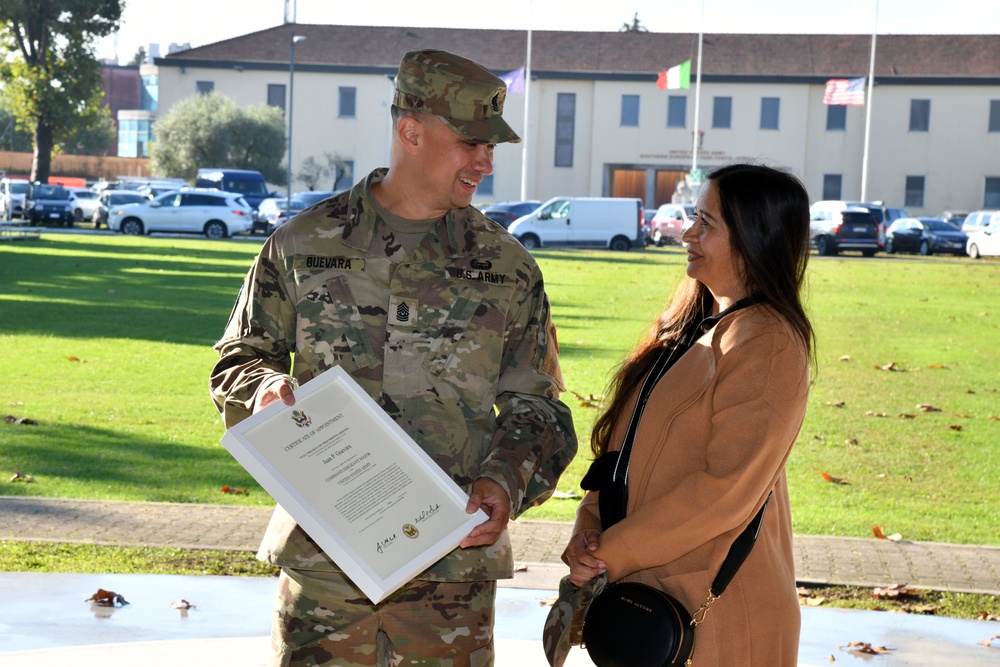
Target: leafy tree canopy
{"x":212,"y":131}
{"x":51,"y":75}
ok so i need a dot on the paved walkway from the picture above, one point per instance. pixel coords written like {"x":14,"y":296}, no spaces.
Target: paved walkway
{"x":855,"y":561}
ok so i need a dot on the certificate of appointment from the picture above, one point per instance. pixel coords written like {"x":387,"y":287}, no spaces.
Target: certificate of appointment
{"x":369,"y":496}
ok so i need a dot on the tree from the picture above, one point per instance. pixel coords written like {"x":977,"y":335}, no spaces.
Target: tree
{"x":13,"y":136}
{"x":338,"y":167}
{"x":312,"y":172}
{"x":212,"y":131}
{"x":139,"y":58}
{"x":634,"y":26}
{"x":51,"y":74}
{"x":95,"y":135}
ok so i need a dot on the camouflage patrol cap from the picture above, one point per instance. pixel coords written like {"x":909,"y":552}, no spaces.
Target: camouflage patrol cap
{"x":464,"y":94}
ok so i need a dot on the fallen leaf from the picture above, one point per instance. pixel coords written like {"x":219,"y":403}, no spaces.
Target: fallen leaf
{"x":21,"y":477}
{"x":906,"y":415}
{"x":877,"y":531}
{"x":833,"y":480}
{"x":989,"y":642}
{"x":970,"y":391}
{"x":845,"y":357}
{"x":961,"y":415}
{"x":918,"y":609}
{"x":876,"y":414}
{"x":808,"y":599}
{"x":865,"y":647}
{"x":881,"y":475}
{"x":104,"y":598}
{"x":183,"y":604}
{"x":891,"y":366}
{"x":987,"y":616}
{"x":995,"y":418}
{"x":592,"y":401}
{"x":835,"y":404}
{"x":233,"y":490}
{"x":955,"y":427}
{"x":892,"y":592}
{"x":548,"y":602}
{"x":851,"y":441}
{"x":23,"y":421}
{"x":938,"y":367}
{"x":520,"y":567}
{"x":927,"y":407}
{"x":73,"y":359}
{"x":16,"y":403}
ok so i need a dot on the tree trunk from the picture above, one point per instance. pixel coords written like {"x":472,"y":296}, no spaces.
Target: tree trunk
{"x":41,"y":161}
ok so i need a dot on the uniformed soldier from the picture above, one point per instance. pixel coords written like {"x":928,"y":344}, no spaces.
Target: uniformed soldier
{"x":442,"y":317}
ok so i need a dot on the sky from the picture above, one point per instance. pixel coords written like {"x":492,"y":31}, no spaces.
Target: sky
{"x":200,"y":22}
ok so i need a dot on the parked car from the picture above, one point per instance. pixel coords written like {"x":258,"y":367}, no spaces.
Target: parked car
{"x":194,"y":210}
{"x":246,"y":183}
{"x":310,"y":197}
{"x":506,"y":212}
{"x":110,"y":199}
{"x":984,"y":241}
{"x":602,"y":222}
{"x":925,"y":235}
{"x":47,"y":202}
{"x":12,"y":193}
{"x":84,"y":202}
{"x":667,"y":225}
{"x":647,"y":217}
{"x":265,"y":216}
{"x":884,"y":215}
{"x":849,"y":229}
{"x":980,"y":219}
{"x":956,"y":218}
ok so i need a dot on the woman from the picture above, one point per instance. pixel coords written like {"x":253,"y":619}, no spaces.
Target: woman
{"x":717,"y":428}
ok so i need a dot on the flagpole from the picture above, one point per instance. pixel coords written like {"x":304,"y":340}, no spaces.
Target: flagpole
{"x":697,"y":91}
{"x":868,"y":112}
{"x":524,"y":134}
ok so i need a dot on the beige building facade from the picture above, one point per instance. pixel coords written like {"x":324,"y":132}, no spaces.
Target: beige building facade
{"x":597,"y":125}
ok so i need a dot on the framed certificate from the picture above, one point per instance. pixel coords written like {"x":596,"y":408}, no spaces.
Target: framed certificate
{"x":369,"y":496}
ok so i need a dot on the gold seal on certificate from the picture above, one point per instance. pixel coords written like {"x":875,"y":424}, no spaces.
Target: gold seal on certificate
{"x":369,"y":496}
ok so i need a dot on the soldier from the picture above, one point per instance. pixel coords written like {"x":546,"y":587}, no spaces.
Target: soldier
{"x":441,"y":316}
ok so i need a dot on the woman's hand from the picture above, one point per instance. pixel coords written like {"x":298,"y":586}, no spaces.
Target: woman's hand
{"x":583,"y":565}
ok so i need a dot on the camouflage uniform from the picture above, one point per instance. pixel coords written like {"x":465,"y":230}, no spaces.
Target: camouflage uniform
{"x":453,"y":339}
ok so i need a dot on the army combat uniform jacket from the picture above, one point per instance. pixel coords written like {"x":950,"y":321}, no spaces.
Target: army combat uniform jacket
{"x":453,"y":339}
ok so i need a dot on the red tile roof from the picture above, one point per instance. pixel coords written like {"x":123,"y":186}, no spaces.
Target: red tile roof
{"x":619,"y":53}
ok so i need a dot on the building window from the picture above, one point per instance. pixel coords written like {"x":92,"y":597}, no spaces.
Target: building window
{"x":565,"y":127}
{"x":836,"y":117}
{"x":276,"y":95}
{"x":204,"y":87}
{"x":769,"y":110}
{"x":920,"y":115}
{"x":832,"y":186}
{"x":630,"y":111}
{"x":992,"y":198}
{"x":722,"y":113}
{"x":348,"y":97}
{"x":677,"y":106}
{"x":485,"y":186}
{"x":914,"y":192}
{"x":994,"y":116}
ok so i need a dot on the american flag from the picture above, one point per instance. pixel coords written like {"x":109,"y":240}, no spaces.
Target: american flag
{"x":844,"y":91}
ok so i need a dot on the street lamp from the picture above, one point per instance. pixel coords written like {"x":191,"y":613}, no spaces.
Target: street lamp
{"x":291,"y":104}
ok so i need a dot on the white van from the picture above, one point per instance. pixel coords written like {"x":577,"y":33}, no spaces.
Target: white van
{"x":604,"y":222}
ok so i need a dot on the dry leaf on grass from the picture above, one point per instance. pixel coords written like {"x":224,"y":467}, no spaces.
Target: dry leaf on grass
{"x":835,"y":404}
{"x":16,"y":403}
{"x":23,"y":421}
{"x":892,"y":592}
{"x":865,"y":647}
{"x":595,"y":401}
{"x":880,"y":534}
{"x":833,"y":480}
{"x":906,"y":415}
{"x":875,"y":414}
{"x":21,"y":477}
{"x":851,"y":441}
{"x":938,"y":367}
{"x":845,"y":357}
{"x":103,"y":598}
{"x":926,"y":609}
{"x":891,"y":366}
{"x":82,"y":361}
{"x":234,"y":490}
{"x":927,"y":407}
{"x":808,"y":599}
{"x":987,"y":616}
{"x":955,"y":427}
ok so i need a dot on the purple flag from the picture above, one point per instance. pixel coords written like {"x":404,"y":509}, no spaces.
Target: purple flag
{"x":514,"y":80}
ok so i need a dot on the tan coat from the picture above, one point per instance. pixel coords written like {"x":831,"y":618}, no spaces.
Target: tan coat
{"x":711,"y":445}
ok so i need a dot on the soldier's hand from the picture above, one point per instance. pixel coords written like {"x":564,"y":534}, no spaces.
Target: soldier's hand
{"x":276,"y":390}
{"x":492,"y":499}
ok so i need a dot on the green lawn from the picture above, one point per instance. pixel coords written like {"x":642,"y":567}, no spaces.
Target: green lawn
{"x":105,"y":341}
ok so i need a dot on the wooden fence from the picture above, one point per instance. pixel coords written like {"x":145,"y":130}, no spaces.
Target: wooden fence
{"x":88,"y":167}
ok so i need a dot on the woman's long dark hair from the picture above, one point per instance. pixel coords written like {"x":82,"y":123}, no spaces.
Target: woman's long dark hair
{"x":767,"y":214}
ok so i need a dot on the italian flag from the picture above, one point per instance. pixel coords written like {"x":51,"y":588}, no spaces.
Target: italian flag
{"x":675,"y":77}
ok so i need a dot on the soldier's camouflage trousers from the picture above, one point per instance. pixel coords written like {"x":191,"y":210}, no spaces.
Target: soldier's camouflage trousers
{"x":321,"y":618}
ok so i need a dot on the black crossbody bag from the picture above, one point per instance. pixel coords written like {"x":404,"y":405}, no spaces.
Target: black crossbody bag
{"x":630,"y":624}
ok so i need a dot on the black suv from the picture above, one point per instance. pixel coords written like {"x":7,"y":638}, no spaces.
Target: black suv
{"x":44,"y":202}
{"x":851,"y":229}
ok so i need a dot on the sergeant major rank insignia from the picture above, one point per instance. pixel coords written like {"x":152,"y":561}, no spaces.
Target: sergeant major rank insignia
{"x":402,"y":310}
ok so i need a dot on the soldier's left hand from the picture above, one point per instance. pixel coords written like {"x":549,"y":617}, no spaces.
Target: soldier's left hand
{"x":493,"y":500}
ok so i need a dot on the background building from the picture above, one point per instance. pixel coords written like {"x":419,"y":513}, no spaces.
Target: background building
{"x":596,"y":123}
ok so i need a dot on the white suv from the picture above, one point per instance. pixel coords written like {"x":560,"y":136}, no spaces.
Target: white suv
{"x":194,"y":210}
